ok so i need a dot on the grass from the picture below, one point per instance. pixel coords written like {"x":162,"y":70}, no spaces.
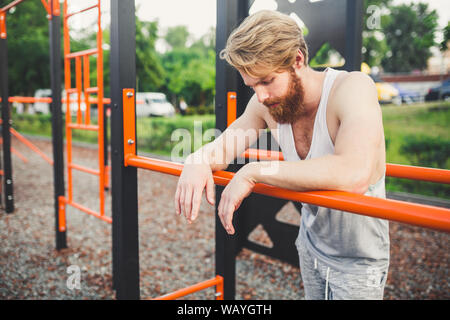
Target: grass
{"x":156,"y":135}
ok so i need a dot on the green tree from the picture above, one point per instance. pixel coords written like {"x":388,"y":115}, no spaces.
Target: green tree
{"x":443,"y":45}
{"x":28,"y":48}
{"x":374,"y":46}
{"x":409,"y":31}
{"x":149,"y":70}
{"x":177,"y":37}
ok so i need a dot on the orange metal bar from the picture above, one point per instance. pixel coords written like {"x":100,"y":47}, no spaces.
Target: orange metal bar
{"x":62,"y":213}
{"x":100,"y":106}
{"x":418,"y":173}
{"x":87,"y":115}
{"x":217,"y":281}
{"x":90,"y":90}
{"x":231,"y":107}
{"x":81,"y":53}
{"x":392,"y":170}
{"x":414,"y":214}
{"x":30,"y":145}
{"x":84,"y":169}
{"x":29,"y":99}
{"x":80,"y":11}
{"x":19,"y":155}
{"x":46,"y":7}
{"x":91,"y":127}
{"x":82,"y":208}
{"x":78,"y":85}
{"x":129,"y":128}
{"x":2,"y":25}
{"x":11,"y":5}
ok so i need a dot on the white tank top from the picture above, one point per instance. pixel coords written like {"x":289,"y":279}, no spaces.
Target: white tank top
{"x":345,"y":241}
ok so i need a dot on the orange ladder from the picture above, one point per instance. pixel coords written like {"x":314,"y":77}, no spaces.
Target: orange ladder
{"x":82,"y":81}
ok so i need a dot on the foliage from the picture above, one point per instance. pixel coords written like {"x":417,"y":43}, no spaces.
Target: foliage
{"x":409,"y":32}
{"x":443,"y":46}
{"x":28,"y":48}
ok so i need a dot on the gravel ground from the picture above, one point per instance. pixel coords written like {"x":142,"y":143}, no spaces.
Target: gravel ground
{"x":173,"y":254}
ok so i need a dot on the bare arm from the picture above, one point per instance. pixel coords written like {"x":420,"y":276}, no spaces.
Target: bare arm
{"x":241,"y":134}
{"x":348,"y":169}
{"x":216,"y":155}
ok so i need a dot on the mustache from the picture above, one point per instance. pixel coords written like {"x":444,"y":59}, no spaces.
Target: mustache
{"x":271,"y":102}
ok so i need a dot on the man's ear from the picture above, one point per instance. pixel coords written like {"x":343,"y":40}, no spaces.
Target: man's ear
{"x":299,"y":60}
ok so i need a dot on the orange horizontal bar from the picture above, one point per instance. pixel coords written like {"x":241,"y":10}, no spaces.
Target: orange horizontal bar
{"x":418,"y":173}
{"x":91,"y":90}
{"x":90,"y":127}
{"x":28,"y":99}
{"x":80,"y":11}
{"x":81,"y":53}
{"x":415,"y":214}
{"x":72,"y":90}
{"x":218,"y":280}
{"x":88,"y":211}
{"x":392,"y":170}
{"x":11,"y":5}
{"x":84,"y":169}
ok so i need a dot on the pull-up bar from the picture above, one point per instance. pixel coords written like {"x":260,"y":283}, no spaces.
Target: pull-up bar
{"x":400,"y":211}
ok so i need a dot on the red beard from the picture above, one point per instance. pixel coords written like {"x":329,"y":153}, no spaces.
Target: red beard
{"x":288,"y":108}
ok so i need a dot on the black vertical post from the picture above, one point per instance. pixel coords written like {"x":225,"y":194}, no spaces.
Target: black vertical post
{"x":57,"y":124}
{"x":6,"y":124}
{"x":353,"y":36}
{"x":229,"y":15}
{"x":124,"y":179}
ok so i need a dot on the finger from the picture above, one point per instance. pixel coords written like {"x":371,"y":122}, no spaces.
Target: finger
{"x":220,"y":212}
{"x":228,"y":217}
{"x":210,"y":191}
{"x":196,"y":201}
{"x":177,"y":200}
{"x":182,"y":192}
{"x":188,"y":202}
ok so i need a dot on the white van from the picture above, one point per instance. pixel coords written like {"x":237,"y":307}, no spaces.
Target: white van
{"x":154,"y":104}
{"x":44,"y":108}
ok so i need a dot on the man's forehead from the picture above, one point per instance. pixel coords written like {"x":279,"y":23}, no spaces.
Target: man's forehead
{"x":252,"y":81}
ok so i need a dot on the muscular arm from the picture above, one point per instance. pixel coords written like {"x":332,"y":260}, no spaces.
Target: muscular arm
{"x":348,"y":169}
{"x":357,"y":144}
{"x":241,"y":134}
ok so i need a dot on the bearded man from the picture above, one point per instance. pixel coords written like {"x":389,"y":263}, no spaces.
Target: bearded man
{"x":329,"y":127}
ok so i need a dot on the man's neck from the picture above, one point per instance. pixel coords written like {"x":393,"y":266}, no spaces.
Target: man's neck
{"x":312,"y":83}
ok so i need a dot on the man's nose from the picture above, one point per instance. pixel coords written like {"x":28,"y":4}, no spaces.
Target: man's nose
{"x":261,"y":94}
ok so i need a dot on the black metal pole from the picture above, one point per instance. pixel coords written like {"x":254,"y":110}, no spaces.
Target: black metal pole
{"x":353,"y":36}
{"x":105,"y":141}
{"x":6,"y":124}
{"x":229,"y":14}
{"x":57,"y":124}
{"x":125,"y":235}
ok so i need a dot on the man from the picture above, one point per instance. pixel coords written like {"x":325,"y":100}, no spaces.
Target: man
{"x":329,"y":127}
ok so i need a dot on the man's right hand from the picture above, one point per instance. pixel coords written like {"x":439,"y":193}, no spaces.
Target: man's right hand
{"x":193,"y":180}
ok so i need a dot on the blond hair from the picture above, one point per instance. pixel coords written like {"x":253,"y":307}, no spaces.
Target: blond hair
{"x":265,"y":42}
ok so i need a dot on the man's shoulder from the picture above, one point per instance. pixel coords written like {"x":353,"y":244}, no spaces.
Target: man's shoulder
{"x":352,"y":88}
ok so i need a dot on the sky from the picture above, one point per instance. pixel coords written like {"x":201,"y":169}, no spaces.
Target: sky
{"x":200,"y":15}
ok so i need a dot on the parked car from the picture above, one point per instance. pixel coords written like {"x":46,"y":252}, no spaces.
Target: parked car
{"x":408,"y":96}
{"x":387,"y":93}
{"x":442,"y":91}
{"x":155,"y":104}
{"x":44,"y":108}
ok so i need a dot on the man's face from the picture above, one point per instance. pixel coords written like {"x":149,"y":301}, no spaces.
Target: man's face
{"x":282,"y":93}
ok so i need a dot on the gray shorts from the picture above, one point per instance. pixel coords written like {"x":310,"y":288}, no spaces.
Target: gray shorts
{"x":324,"y":283}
